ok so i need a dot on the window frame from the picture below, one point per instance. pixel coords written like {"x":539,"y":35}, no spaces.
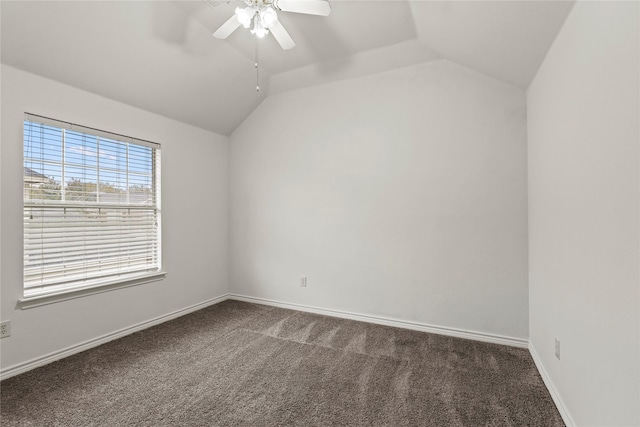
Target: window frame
{"x":48,"y":293}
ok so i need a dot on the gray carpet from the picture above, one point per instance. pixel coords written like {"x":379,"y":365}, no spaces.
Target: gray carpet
{"x":240,"y":364}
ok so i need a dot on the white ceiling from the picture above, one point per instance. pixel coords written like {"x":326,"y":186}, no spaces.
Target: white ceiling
{"x":160,"y":55}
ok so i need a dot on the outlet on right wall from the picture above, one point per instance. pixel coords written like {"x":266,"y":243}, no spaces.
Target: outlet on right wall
{"x":584,"y":207}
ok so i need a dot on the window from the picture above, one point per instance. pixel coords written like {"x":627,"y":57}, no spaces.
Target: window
{"x":91,"y":207}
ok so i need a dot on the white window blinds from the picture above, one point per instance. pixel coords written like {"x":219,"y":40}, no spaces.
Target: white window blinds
{"x":91,"y":206}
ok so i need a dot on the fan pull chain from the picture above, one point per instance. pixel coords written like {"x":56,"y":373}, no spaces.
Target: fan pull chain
{"x":257,"y":69}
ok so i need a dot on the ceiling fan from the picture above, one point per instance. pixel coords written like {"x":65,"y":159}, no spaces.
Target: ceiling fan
{"x":264,"y":18}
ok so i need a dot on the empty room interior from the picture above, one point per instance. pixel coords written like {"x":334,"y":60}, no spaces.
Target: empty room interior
{"x":320,"y":213}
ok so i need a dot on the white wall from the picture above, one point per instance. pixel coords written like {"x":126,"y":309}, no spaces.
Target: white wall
{"x":194,"y":213}
{"x":400,"y":194}
{"x":583,"y":136}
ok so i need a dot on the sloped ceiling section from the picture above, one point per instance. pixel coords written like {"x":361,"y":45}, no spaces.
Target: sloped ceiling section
{"x":146,"y":54}
{"x":504,"y":39}
{"x":160,"y":55}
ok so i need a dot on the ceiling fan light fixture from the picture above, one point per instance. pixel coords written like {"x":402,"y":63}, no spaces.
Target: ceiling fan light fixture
{"x":258,"y":29}
{"x":268,"y":16}
{"x":261,"y":18}
{"x":244,"y":15}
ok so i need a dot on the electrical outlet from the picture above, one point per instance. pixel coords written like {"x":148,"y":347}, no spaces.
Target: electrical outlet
{"x":557,"y":349}
{"x":5,"y":329}
{"x":303,"y":281}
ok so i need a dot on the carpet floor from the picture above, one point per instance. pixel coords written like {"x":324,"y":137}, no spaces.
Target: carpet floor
{"x":241,"y":364}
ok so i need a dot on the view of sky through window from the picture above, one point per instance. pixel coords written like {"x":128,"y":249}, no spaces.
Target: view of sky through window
{"x":68,"y":165}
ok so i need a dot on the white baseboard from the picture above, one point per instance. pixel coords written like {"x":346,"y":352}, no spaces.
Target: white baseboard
{"x":564,"y":413}
{"x":405,"y":324}
{"x":57,"y":355}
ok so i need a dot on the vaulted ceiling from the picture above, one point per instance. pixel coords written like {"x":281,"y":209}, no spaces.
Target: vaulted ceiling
{"x":160,"y":55}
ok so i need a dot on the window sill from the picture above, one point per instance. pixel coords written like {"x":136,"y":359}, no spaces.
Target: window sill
{"x":38,"y":300}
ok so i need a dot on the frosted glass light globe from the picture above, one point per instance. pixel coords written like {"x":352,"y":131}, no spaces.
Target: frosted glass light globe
{"x":268,"y":17}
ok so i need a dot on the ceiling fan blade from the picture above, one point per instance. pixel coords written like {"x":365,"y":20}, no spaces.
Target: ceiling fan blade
{"x":227,"y":28}
{"x":311,"y":7}
{"x":282,"y":37}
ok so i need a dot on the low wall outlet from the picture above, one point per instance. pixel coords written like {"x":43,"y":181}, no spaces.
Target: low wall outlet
{"x":557,"y":351}
{"x":5,"y":329}
{"x":303,"y":281}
